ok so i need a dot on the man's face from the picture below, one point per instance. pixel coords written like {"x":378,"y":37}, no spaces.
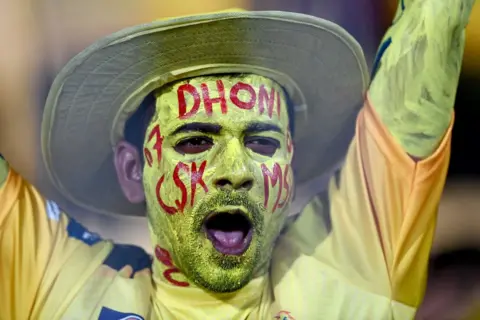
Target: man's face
{"x":217,"y":176}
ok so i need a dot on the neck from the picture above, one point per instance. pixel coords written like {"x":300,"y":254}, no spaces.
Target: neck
{"x":166,"y":272}
{"x":172,"y":289}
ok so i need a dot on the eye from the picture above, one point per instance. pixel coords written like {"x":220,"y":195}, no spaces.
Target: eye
{"x":262,"y":145}
{"x":193,"y":145}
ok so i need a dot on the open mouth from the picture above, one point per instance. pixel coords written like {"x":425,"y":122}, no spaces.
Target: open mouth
{"x":230,"y":232}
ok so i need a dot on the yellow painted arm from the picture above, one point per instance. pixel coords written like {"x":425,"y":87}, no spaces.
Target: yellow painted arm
{"x":416,"y":72}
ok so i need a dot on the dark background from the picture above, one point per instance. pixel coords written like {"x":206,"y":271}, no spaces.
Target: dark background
{"x":465,"y":162}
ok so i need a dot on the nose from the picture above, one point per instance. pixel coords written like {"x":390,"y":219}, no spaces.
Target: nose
{"x":234,"y":175}
{"x":234,"y":183}
{"x":234,"y":171}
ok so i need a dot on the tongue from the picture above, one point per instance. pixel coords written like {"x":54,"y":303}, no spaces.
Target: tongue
{"x":228,"y":239}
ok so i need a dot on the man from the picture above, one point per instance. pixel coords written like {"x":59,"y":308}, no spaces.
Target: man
{"x":195,"y":121}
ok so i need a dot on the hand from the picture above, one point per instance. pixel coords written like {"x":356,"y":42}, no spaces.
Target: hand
{"x":416,"y":71}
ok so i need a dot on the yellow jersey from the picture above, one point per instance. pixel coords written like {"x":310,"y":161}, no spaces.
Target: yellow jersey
{"x":357,"y":251}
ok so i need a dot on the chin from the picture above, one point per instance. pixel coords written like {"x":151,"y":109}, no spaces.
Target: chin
{"x":225,"y":282}
{"x":220,"y":273}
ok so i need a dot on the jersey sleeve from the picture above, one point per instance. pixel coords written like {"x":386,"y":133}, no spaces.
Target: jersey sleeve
{"x":393,"y":200}
{"x":361,"y":250}
{"x":37,"y":241}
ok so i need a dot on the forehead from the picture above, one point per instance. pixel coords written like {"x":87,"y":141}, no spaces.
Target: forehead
{"x":229,"y":100}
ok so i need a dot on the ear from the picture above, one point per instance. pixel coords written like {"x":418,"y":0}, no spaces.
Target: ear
{"x":129,"y":167}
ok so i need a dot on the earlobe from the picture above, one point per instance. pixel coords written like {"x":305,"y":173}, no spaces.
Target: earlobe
{"x":129,"y":167}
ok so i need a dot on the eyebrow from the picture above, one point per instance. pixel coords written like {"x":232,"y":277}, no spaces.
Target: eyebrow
{"x":198,"y":127}
{"x":253,"y":127}
{"x":257,"y":127}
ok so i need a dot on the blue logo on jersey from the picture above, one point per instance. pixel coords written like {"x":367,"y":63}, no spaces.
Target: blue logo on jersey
{"x":79,"y":232}
{"x":109,"y":314}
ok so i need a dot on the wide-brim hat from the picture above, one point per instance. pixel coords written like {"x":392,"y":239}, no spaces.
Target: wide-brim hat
{"x":319,"y":64}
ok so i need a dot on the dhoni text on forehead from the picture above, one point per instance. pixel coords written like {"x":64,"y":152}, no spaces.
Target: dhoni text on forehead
{"x":214,"y":97}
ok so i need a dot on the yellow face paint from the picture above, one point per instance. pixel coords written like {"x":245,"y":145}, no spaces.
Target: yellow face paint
{"x":217,"y":179}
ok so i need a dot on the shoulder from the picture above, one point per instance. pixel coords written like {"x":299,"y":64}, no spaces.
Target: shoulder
{"x":120,"y":255}
{"x":123,"y":255}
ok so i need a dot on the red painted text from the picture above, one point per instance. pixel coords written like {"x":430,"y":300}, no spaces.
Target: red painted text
{"x":195,"y":174}
{"x":266,"y":100}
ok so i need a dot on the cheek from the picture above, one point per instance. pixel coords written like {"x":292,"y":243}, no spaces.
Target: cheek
{"x":174,"y":185}
{"x":277,"y":183}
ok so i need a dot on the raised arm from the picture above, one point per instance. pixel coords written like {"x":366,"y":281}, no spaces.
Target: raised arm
{"x":45,"y":34}
{"x":37,"y":240}
{"x":372,"y":236}
{"x":416,"y":72}
{"x":19,"y":60}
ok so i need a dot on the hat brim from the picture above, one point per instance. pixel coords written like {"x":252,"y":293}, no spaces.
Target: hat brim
{"x":320,"y":64}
